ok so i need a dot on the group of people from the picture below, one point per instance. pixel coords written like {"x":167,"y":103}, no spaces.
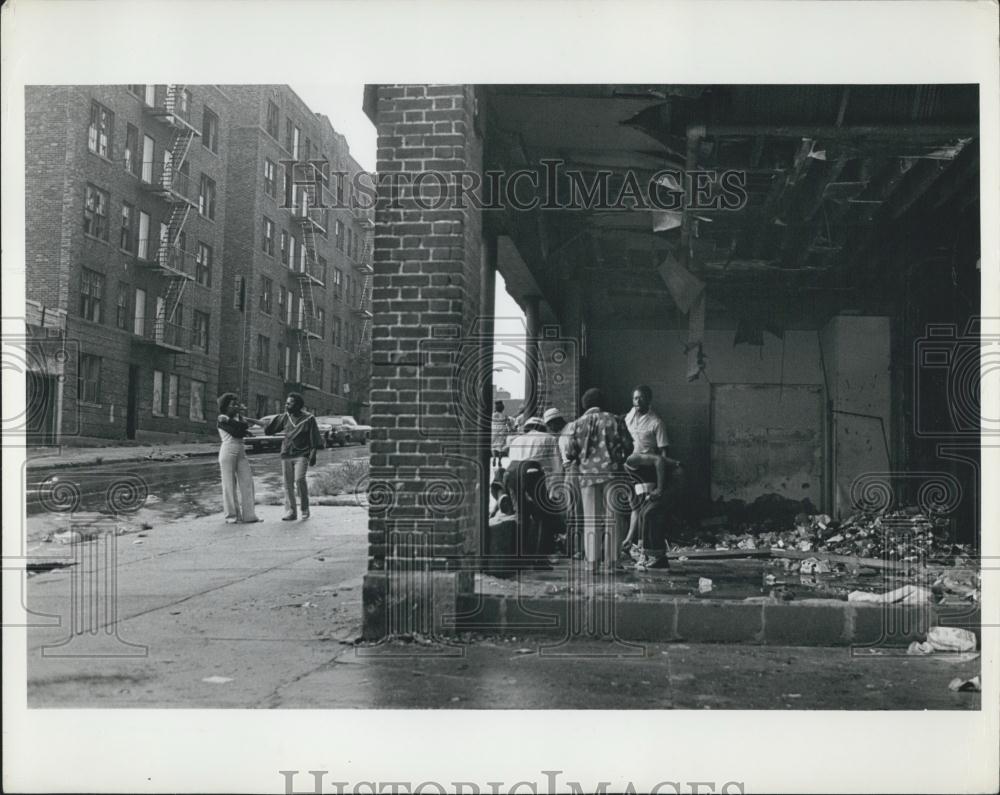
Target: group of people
{"x":599,"y":478}
{"x":302,"y":440}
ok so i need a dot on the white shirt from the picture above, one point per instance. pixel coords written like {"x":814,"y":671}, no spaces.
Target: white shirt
{"x":539,"y":446}
{"x":648,"y":431}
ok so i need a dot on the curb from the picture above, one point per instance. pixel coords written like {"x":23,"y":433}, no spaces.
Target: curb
{"x":816,"y":622}
{"x":92,"y":462}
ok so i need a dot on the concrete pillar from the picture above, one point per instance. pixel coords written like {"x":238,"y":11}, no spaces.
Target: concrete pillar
{"x":425,"y":481}
{"x":532,"y":386}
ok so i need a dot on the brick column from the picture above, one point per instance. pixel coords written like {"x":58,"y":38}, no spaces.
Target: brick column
{"x":424,"y":489}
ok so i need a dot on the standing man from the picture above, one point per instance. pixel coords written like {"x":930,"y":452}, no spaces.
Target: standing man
{"x":597,"y":447}
{"x":655,"y":477}
{"x":298,"y":451}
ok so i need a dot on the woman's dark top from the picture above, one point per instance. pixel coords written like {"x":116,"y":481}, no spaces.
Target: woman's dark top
{"x":236,"y":428}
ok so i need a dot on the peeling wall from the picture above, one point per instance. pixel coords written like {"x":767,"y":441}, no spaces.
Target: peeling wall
{"x":857,"y":354}
{"x":618,"y":360}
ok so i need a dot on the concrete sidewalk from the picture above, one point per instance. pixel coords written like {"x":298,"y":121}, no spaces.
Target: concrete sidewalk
{"x":266,"y":615}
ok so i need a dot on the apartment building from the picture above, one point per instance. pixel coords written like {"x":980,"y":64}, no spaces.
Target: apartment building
{"x":297,"y":260}
{"x":169,"y":257}
{"x":125,"y":208}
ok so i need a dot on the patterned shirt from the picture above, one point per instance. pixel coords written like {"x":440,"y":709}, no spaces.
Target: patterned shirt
{"x":598,"y":445}
{"x":500,"y":426}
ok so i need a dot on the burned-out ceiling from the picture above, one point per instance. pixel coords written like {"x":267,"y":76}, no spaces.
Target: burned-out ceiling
{"x":823,"y":173}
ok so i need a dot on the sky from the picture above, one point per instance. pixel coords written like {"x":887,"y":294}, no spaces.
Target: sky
{"x":342,"y":103}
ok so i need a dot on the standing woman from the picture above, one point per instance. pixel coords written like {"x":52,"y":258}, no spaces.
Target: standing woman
{"x":237,"y":477}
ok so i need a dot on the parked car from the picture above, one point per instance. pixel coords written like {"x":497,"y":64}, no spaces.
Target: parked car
{"x":359,"y":433}
{"x":333,"y":430}
{"x":257,"y":442}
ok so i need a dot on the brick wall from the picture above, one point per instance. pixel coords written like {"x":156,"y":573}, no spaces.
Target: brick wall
{"x":59,"y":167}
{"x":426,"y":296}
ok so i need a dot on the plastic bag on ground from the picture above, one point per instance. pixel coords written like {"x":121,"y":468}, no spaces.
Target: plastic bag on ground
{"x":951,"y":639}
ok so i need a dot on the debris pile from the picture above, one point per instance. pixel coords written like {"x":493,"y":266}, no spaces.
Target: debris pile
{"x":905,"y":536}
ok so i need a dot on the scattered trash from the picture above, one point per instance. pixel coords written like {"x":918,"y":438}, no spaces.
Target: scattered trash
{"x":906,"y":595}
{"x":525,"y":651}
{"x":217,"y":680}
{"x":455,"y":698}
{"x":951,"y":639}
{"x":959,"y":685}
{"x":793,"y":695}
{"x":68,"y":537}
{"x":704,"y":585}
{"x":682,"y":558}
{"x":919,"y":648}
{"x":138,"y":542}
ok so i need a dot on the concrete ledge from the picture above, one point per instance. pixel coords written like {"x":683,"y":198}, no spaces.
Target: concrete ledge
{"x":816,"y":622}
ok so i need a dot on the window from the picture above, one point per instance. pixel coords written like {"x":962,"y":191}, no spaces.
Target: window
{"x":203,"y":265}
{"x":335,"y":379}
{"x":350,"y":241}
{"x":281,"y":360}
{"x":307,"y":150}
{"x":91,"y":294}
{"x":337,"y":331}
{"x":157,"y":393}
{"x":267,"y":243}
{"x":282,"y":297}
{"x":271,"y":124}
{"x":139,"y":318}
{"x":206,"y":198}
{"x":239,"y":293}
{"x":123,"y":312}
{"x":143,"y":249}
{"x":127,"y":237}
{"x":283,"y":247}
{"x":291,"y":253}
{"x":321,"y":261}
{"x":261,"y":405}
{"x":296,"y":133}
{"x":338,"y":283}
{"x":270,"y":178}
{"x":340,"y":189}
{"x":200,"y":330}
{"x":288,"y":136}
{"x":185,"y":104}
{"x":318,"y":372}
{"x":102,"y":121}
{"x":95,"y":213}
{"x":138,"y":90}
{"x":210,"y":130}
{"x":289,"y":308}
{"x":263,"y":353}
{"x":173,"y":383}
{"x":321,"y":318}
{"x":340,"y":236}
{"x":89,"y":378}
{"x":196,"y":411}
{"x":266,"y":290}
{"x":132,"y":158}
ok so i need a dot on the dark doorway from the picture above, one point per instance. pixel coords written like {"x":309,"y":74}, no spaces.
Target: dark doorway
{"x":132,"y":402}
{"x":41,"y":408}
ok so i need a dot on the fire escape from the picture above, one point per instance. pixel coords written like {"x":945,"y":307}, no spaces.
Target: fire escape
{"x":307,"y":273}
{"x":169,"y":180}
{"x":362,"y":308}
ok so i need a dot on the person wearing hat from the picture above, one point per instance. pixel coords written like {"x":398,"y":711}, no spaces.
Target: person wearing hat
{"x":564,"y":486}
{"x":237,"y":476}
{"x":537,"y":444}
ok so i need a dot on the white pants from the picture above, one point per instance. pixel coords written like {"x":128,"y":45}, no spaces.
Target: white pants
{"x":237,"y":482}
{"x":599,"y":524}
